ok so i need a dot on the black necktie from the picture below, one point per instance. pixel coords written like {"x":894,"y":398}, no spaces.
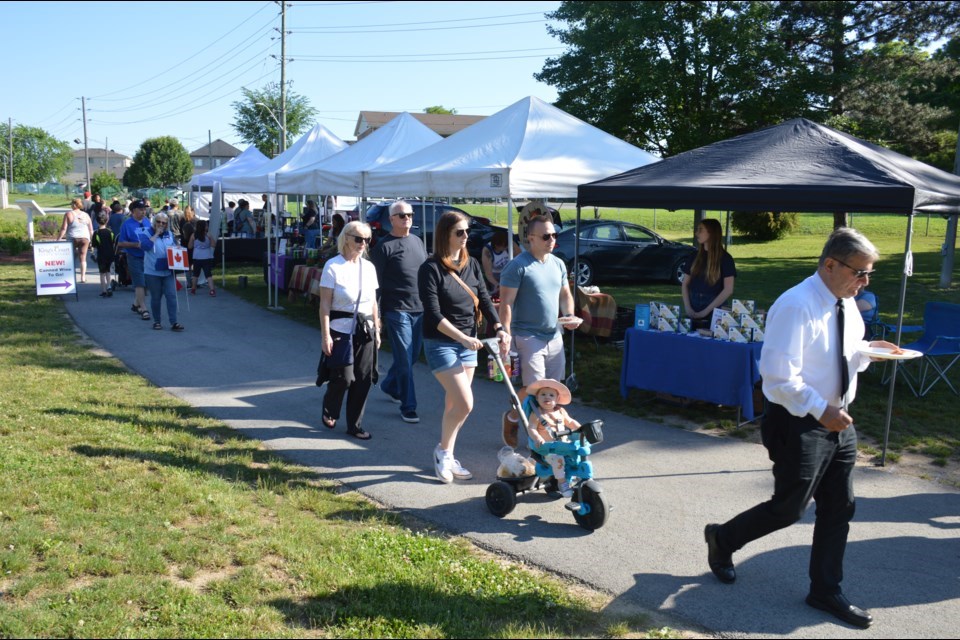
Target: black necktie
{"x":844,"y":372}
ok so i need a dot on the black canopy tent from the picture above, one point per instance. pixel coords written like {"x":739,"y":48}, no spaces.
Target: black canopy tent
{"x":794,"y":166}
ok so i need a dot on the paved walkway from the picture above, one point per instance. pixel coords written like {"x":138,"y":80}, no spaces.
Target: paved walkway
{"x":254,"y":369}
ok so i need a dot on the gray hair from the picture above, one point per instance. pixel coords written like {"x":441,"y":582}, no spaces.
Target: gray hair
{"x":845,"y":243}
{"x":400,"y":206}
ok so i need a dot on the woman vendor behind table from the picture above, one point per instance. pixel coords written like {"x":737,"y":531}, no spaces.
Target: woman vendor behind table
{"x":709,"y":276}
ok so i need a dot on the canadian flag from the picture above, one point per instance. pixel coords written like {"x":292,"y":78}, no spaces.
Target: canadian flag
{"x":177,"y":258}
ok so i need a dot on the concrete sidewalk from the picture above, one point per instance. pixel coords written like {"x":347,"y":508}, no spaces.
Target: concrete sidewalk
{"x":254,"y":369}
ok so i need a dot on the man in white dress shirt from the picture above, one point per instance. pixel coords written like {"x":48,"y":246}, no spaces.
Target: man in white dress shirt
{"x":809,"y":363}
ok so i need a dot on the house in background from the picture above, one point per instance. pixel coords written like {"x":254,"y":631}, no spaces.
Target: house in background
{"x":210,"y":156}
{"x":440,"y":123}
{"x":116,"y":164}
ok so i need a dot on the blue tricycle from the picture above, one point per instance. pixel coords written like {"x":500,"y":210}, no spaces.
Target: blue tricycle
{"x":589,"y":506}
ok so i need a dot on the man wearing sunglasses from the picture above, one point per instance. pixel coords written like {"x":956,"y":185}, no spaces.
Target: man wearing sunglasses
{"x":535,"y":303}
{"x":809,"y":364}
{"x":398,"y":257}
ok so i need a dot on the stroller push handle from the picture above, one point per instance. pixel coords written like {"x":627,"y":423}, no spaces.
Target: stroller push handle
{"x":493,"y":346}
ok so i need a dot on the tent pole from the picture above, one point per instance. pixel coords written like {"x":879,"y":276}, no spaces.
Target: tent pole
{"x":907,"y":272}
{"x":510,"y":234}
{"x":576,"y":265}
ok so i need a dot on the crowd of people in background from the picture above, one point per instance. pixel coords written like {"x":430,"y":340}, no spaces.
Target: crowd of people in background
{"x":129,"y":241}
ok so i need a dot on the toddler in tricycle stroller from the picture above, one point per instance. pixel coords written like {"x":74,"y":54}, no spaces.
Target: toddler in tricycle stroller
{"x":560,"y":463}
{"x":553,"y":452}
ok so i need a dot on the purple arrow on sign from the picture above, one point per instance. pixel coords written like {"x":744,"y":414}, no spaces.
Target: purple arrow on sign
{"x":63,"y":284}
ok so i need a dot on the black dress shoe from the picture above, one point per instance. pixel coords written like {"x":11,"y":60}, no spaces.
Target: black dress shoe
{"x":839,"y":606}
{"x":721,"y":562}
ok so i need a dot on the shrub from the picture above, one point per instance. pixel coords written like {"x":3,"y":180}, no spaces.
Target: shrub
{"x":764,"y":225}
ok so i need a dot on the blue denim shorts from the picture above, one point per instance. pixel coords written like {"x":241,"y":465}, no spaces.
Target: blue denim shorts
{"x":447,"y":354}
{"x":135,"y":267}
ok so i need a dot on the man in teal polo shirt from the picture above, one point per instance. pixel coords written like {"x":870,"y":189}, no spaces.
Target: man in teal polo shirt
{"x":534,"y":294}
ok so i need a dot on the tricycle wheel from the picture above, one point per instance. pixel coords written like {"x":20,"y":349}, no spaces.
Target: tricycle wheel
{"x":500,"y":498}
{"x":593,"y":509}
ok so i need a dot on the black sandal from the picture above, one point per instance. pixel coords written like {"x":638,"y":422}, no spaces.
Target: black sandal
{"x":359,"y":434}
{"x":145,"y":315}
{"x":157,"y":326}
{"x":328,"y":421}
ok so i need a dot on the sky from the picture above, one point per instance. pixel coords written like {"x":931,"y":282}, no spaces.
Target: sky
{"x":150,"y":69}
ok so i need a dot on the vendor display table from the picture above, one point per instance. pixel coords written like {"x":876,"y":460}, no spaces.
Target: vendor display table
{"x":304,"y":279}
{"x":691,"y":366}
{"x":282,"y":269}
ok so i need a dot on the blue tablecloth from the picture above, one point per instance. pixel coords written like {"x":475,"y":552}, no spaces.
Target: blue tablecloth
{"x":693,"y":367}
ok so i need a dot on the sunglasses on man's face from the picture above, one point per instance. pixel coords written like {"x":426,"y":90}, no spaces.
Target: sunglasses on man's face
{"x":460,"y":232}
{"x":360,"y":239}
{"x":547,"y":236}
{"x":403,"y":215}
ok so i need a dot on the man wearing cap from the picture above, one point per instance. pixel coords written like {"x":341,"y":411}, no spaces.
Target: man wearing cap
{"x":132,"y":231}
{"x":398,"y":257}
{"x":534,"y":294}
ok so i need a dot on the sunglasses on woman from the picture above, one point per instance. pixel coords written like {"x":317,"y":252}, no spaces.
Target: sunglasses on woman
{"x":460,"y":232}
{"x":360,"y":239}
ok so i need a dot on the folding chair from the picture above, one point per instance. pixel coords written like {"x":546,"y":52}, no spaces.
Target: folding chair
{"x":869,"y":306}
{"x":940,"y":345}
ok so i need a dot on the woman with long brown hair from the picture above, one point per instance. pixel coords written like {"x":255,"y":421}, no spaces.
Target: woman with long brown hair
{"x":454,"y":294}
{"x":78,"y":226}
{"x":710,"y":276}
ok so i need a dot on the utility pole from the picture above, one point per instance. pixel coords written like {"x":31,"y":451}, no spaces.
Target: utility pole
{"x":283,"y":76}
{"x":10,"y":133}
{"x":86,"y":149}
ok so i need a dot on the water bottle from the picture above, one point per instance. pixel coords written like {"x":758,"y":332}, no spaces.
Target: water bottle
{"x":514,"y":368}
{"x":493,"y":370}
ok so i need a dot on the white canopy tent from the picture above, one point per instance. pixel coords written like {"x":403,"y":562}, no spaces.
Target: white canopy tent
{"x":317,"y":144}
{"x":246,"y":162}
{"x":345,"y":173}
{"x":529,"y":149}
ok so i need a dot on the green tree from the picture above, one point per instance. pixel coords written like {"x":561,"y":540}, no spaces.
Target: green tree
{"x":37,"y":155}
{"x":159,"y":162}
{"x":672,"y":76}
{"x":255,"y":125}
{"x":440,"y":109}
{"x":104,"y":183}
{"x":886,"y":99}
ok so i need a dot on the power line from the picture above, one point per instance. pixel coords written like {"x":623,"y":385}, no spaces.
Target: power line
{"x":322,"y":30}
{"x":186,"y":88}
{"x":405,"y":24}
{"x":192,"y":108}
{"x":386,"y":60}
{"x":215,"y":42}
{"x":421,"y":55}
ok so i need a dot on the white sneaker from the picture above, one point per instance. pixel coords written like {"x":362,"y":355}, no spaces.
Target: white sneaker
{"x":443,"y":465}
{"x":459,"y":473}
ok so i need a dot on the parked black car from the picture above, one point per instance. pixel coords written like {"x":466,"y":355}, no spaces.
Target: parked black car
{"x":610,"y":249}
{"x":378,"y":217}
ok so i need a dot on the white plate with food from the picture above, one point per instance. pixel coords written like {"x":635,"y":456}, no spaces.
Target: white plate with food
{"x":885,"y":353}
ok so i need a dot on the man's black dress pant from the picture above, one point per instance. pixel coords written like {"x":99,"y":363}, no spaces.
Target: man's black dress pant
{"x":808,"y":462}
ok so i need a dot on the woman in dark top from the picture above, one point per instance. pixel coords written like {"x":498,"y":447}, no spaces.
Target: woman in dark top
{"x":710,"y":275}
{"x":310,"y":216}
{"x":454,"y":295}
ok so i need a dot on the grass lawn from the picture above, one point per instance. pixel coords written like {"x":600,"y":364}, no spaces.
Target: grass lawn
{"x":126,"y":513}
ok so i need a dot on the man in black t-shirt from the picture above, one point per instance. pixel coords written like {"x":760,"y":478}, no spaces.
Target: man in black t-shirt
{"x":398,"y":257}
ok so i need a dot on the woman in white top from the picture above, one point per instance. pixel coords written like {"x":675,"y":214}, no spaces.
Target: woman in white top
{"x":78,"y":226}
{"x":348,"y":286}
